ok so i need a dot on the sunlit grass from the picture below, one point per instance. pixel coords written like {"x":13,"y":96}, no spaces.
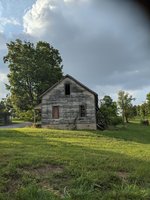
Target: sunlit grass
{"x":79,"y":165}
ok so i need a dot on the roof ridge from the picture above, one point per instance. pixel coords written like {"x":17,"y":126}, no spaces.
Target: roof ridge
{"x":71,"y":77}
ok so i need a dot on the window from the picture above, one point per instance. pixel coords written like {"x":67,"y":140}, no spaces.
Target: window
{"x":55,"y":112}
{"x":67,"y":89}
{"x":82,"y":111}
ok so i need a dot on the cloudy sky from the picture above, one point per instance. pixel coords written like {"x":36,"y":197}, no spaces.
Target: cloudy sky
{"x":105,"y":44}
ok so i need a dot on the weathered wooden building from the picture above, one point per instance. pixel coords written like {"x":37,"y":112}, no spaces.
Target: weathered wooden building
{"x":69,"y":105}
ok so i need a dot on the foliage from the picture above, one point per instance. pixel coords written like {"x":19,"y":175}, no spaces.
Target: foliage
{"x":33,"y":69}
{"x":125,"y":105}
{"x":75,"y":165}
{"x":148,"y":100}
{"x":134,"y":111}
{"x":144,"y":111}
{"x":116,"y":120}
{"x":145,"y":122}
{"x":2,"y":106}
{"x":25,"y":115}
{"x":107,"y":114}
{"x":5,"y":112}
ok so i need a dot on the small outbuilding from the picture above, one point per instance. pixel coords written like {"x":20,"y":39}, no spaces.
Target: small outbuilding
{"x":69,"y":105}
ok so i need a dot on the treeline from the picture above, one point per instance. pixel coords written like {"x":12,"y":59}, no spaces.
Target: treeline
{"x":114,"y":113}
{"x":143,"y":111}
{"x":109,"y":113}
{"x":33,"y":68}
{"x":122,"y":111}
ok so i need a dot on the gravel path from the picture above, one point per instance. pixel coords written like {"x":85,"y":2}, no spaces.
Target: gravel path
{"x":20,"y":125}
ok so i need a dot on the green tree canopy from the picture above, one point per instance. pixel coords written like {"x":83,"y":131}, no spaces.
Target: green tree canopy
{"x":33,"y":69}
{"x":125,"y":104}
{"x":5,"y":111}
{"x":108,"y":106}
{"x":107,"y":114}
{"x":144,"y":110}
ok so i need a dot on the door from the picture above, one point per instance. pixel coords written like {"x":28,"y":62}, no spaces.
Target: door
{"x":55,"y":112}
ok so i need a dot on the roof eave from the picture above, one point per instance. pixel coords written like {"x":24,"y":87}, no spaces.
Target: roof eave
{"x":68,"y":76}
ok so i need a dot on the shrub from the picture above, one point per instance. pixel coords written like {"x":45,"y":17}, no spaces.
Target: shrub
{"x":37,"y":125}
{"x":145,"y":122}
{"x":25,"y":115}
{"x":104,"y":121}
{"x":116,"y":120}
{"x":5,"y":118}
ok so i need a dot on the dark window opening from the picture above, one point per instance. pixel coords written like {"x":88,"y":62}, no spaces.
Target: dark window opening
{"x":55,"y":112}
{"x":67,"y":89}
{"x":82,"y":111}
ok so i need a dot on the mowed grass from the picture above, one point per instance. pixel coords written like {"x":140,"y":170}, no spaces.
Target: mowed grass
{"x":43,"y":164}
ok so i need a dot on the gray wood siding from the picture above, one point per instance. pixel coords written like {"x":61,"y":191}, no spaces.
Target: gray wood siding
{"x":69,"y":115}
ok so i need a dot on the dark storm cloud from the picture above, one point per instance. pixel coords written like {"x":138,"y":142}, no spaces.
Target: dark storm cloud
{"x":102,"y":43}
{"x":145,"y":5}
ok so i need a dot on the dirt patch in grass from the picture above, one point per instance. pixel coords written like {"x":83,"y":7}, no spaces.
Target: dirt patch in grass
{"x":50,"y":177}
{"x":57,"y":184}
{"x":123,"y":175}
{"x":13,"y":186}
{"x":44,"y":169}
{"x":50,"y":187}
{"x":13,"y":183}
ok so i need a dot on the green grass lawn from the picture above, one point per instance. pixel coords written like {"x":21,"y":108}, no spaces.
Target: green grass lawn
{"x":43,"y":164}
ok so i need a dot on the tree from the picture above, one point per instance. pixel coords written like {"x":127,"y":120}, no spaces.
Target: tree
{"x":138,"y":110}
{"x":33,"y":69}
{"x":107,"y":114}
{"x":4,"y":112}
{"x":125,"y":105}
{"x":134,"y":112}
{"x":148,"y":102}
{"x":109,"y":106}
{"x":144,"y":110}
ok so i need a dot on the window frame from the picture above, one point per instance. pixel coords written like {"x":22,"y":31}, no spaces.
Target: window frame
{"x":55,"y":109}
{"x":82,"y":111}
{"x":67,"y":89}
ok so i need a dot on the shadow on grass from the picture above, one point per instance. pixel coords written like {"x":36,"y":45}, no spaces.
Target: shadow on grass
{"x":98,"y":169}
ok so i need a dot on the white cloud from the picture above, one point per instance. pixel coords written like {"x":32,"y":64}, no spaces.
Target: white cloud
{"x":3,"y":81}
{"x":3,"y":77}
{"x":101,"y":42}
{"x":4,"y":21}
{"x":3,"y":69}
{"x":1,"y":8}
{"x":36,"y":19}
{"x":75,"y":1}
{"x":47,"y":15}
{"x":7,"y":21}
{"x":68,"y":1}
{"x":2,"y":41}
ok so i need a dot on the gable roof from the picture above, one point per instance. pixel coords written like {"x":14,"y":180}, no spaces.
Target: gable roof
{"x":76,"y":81}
